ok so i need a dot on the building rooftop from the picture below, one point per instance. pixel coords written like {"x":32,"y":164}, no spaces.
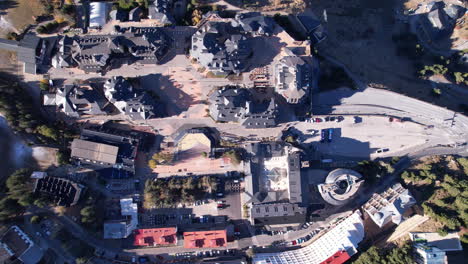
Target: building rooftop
{"x":292,"y":78}
{"x":344,"y":236}
{"x":160,"y":10}
{"x":152,"y":237}
{"x":340,"y":186}
{"x":123,"y":227}
{"x":338,"y":258}
{"x":95,"y":53}
{"x":235,"y":104}
{"x":389,"y":205}
{"x":450,"y":242}
{"x":106,"y":148}
{"x":98,"y":152}
{"x":220,"y":47}
{"x":97,"y":14}
{"x":62,"y":191}
{"x":18,"y":244}
{"x":135,"y":103}
{"x":76,"y":101}
{"x":205,"y":239}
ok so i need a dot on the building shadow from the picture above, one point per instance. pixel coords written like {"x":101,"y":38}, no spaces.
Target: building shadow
{"x":177,"y":101}
{"x":385,"y":45}
{"x":7,"y":4}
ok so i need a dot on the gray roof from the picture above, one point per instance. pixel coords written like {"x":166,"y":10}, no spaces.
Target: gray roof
{"x":255,"y":23}
{"x":220,"y":48}
{"x":101,"y":153}
{"x":292,"y":78}
{"x":21,"y":246}
{"x":93,"y":53}
{"x":389,"y":205}
{"x":135,"y":14}
{"x":278,"y":213}
{"x":234,"y":104}
{"x":31,"y":50}
{"x":115,"y":229}
{"x":260,"y":152}
{"x":160,"y":10}
{"x":63,"y":191}
{"x":119,"y":14}
{"x":97,"y":14}
{"x":135,"y":103}
{"x":75,"y":101}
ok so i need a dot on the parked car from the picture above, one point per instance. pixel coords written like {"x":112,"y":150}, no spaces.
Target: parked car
{"x":318,"y":120}
{"x":221,"y":206}
{"x":330,"y":134}
{"x":323,"y":135}
{"x":339,"y":118}
{"x":220,"y":202}
{"x":220,"y":194}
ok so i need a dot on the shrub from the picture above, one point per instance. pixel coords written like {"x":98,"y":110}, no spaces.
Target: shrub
{"x":35,"y":219}
{"x":436,"y":92}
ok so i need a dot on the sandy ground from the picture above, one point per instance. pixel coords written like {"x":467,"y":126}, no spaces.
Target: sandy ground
{"x":45,"y":157}
{"x":18,"y":14}
{"x":197,"y":165}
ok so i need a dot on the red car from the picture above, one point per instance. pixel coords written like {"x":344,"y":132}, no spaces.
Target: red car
{"x":318,"y":120}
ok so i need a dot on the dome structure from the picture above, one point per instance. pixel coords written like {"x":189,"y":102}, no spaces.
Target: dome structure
{"x":340,"y":186}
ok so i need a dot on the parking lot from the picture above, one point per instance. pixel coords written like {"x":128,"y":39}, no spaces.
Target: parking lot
{"x":359,"y":136}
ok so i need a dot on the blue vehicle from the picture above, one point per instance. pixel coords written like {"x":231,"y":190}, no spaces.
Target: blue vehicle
{"x":330,"y":134}
{"x":323,"y":135}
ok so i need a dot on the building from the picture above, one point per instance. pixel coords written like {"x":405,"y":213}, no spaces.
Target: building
{"x":196,"y":140}
{"x":101,"y":148}
{"x":221,"y":48}
{"x":277,"y":214}
{"x":32,"y":51}
{"x":341,"y":185}
{"x":63,"y":192}
{"x":309,"y":28}
{"x":16,"y":245}
{"x":440,"y":19}
{"x":450,"y":242}
{"x":205,"y":239}
{"x":389,"y":206}
{"x":135,"y":14}
{"x":137,"y":104}
{"x":426,"y":254}
{"x":98,"y":13}
{"x":335,"y":246}
{"x":255,"y":23}
{"x":98,"y":53}
{"x":293,"y":77}
{"x":235,"y":104}
{"x":38,"y":175}
{"x":76,"y":101}
{"x":154,"y":237}
{"x":273,"y":184}
{"x":160,"y":11}
{"x":123,"y":226}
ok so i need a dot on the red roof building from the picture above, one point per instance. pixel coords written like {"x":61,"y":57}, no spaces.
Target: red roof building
{"x":205,"y":239}
{"x":338,"y":258}
{"x":153,"y":237}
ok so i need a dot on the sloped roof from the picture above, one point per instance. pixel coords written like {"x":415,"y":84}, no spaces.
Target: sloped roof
{"x":94,"y":151}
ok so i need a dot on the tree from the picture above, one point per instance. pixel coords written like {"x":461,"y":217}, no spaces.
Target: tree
{"x":152,"y":164}
{"x":234,"y":156}
{"x":436,"y":92}
{"x":48,"y":132}
{"x":372,"y":255}
{"x":35,"y":219}
{"x":88,"y":214}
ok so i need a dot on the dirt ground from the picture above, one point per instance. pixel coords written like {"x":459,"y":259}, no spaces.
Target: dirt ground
{"x":45,"y":157}
{"x":360,"y":36}
{"x":18,"y":14}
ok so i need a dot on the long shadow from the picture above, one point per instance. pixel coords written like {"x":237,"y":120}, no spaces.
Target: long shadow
{"x":165,"y":88}
{"x":7,"y":4}
{"x":384,"y":46}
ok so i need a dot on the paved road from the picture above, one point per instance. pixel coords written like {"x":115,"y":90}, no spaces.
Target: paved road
{"x":44,"y":242}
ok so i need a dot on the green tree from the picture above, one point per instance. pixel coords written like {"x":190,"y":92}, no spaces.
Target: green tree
{"x":372,"y":255}
{"x":35,"y":219}
{"x":47,"y":131}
